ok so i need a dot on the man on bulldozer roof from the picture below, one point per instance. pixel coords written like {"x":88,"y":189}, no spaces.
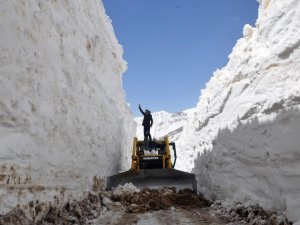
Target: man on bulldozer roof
{"x":147,"y":123}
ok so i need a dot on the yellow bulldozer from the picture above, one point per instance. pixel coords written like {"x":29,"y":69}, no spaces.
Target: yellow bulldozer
{"x":152,"y":166}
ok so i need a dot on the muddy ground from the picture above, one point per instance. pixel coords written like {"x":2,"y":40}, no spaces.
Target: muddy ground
{"x":158,"y":207}
{"x":161,"y":207}
{"x":145,"y":207}
{"x":163,"y":199}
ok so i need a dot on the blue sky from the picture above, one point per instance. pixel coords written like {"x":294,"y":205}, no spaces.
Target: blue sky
{"x":172,"y":47}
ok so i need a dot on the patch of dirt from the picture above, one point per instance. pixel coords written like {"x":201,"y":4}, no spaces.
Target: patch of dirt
{"x":250,"y":214}
{"x":75,"y":212}
{"x":162,"y":199}
{"x":15,"y":217}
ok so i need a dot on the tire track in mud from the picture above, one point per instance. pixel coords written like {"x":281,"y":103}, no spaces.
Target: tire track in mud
{"x":171,"y":217}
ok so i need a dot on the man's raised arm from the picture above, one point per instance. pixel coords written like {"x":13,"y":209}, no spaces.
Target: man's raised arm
{"x":141,"y":109}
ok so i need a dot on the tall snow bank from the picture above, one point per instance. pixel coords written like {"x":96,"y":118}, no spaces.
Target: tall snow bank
{"x":252,"y":160}
{"x":64,"y":121}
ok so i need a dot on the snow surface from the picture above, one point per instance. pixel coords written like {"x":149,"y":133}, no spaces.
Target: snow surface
{"x":243,"y":140}
{"x":64,"y":121}
{"x":126,"y":188}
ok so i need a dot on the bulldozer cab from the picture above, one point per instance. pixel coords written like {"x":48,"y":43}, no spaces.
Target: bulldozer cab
{"x":157,"y":147}
{"x":157,"y":154}
{"x":150,"y":147}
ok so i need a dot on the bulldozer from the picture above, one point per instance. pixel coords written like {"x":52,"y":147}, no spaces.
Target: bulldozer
{"x":152,"y":166}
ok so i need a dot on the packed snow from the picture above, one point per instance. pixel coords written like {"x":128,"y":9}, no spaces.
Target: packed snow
{"x":126,"y":188}
{"x":64,"y":121}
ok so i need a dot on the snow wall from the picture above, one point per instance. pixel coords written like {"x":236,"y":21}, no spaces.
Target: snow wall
{"x":64,"y":121}
{"x":243,"y":140}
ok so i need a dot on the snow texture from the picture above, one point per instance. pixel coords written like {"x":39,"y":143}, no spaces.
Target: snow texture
{"x":126,"y":188}
{"x":243,"y":140}
{"x":64,"y":121}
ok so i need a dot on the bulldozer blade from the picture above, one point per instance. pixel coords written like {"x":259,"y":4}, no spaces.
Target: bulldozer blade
{"x":154,"y":178}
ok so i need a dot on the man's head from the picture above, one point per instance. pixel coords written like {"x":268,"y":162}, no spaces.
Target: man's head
{"x":147,"y":111}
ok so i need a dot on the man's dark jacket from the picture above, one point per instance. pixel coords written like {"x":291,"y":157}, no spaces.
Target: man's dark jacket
{"x":147,"y":121}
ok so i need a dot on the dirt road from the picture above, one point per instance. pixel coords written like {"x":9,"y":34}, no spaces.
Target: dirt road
{"x":159,"y":207}
{"x":174,"y":216}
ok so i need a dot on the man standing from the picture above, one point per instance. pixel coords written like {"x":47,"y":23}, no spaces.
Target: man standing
{"x":147,"y":122}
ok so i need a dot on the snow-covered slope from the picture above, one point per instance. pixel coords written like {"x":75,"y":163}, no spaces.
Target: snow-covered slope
{"x":63,"y":115}
{"x":244,"y":136}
